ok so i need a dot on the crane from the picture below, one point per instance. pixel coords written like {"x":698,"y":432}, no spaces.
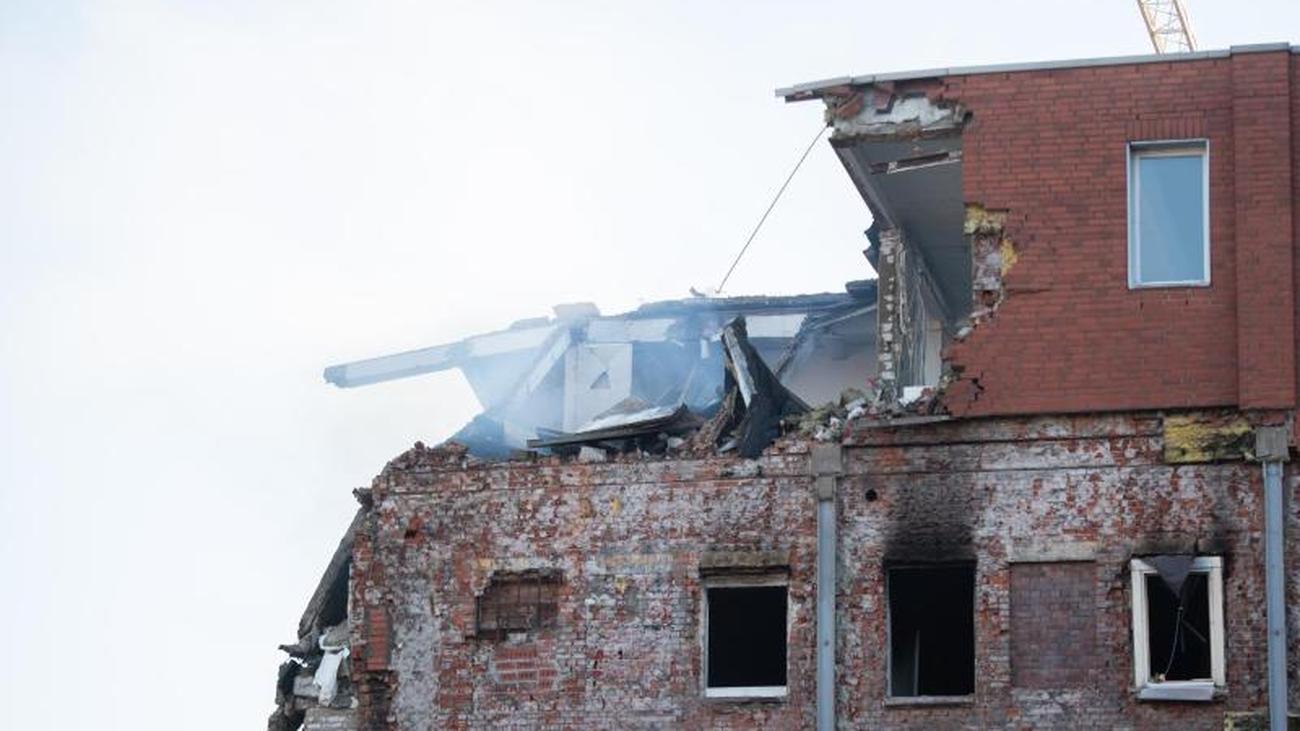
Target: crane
{"x":1167,"y":25}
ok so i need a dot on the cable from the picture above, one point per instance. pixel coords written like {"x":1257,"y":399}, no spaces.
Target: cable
{"x":770,"y":206}
{"x":1173,"y":645}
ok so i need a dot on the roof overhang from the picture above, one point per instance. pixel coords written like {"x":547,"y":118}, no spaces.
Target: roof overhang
{"x":915,"y":185}
{"x":815,"y":89}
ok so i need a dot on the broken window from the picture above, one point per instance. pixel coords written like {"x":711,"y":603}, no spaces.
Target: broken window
{"x":932,"y":631}
{"x":745,"y":637}
{"x":1178,"y":626}
{"x":519,"y":602}
{"x":1168,"y":212}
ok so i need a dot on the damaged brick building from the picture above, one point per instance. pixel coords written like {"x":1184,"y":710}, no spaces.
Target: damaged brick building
{"x":1035,"y":475}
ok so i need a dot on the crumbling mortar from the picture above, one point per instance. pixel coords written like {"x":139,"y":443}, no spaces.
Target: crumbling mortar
{"x":641,"y":589}
{"x":889,"y":111}
{"x":786,"y":459}
{"x":993,"y":255}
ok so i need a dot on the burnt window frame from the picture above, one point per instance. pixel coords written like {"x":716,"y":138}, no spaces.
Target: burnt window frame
{"x":1199,"y":689}
{"x":742,"y":580}
{"x":905,"y":700}
{"x":544,"y":614}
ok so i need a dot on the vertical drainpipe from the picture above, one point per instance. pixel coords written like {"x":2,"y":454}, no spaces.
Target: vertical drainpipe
{"x":827,"y":465}
{"x":1272,"y":450}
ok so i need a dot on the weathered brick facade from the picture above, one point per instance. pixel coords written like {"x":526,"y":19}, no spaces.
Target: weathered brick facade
{"x":628,"y":539}
{"x":1054,"y":625}
{"x":1080,"y":424}
{"x":1054,"y":507}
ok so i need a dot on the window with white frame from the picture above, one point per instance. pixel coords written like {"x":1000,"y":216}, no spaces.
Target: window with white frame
{"x":745,"y":626}
{"x":1177,"y":627}
{"x":1168,"y":214}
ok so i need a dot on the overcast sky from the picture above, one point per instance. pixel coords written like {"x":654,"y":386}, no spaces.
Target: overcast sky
{"x":204,"y":203}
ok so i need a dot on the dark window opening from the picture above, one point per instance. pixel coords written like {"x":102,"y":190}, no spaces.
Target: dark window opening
{"x":517,"y":603}
{"x":932,"y":631}
{"x":746,"y":636}
{"x":1178,"y":628}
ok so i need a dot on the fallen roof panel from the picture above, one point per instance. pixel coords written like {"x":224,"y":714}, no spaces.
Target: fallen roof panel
{"x":772,"y":316}
{"x":436,"y":358}
{"x":652,"y":421}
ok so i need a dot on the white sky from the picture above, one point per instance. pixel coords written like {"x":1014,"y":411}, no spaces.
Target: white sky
{"x":202,"y":204}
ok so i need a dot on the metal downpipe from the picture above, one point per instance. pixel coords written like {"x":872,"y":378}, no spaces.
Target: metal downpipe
{"x":826,"y":467}
{"x":1275,"y":587}
{"x":825,"y":615}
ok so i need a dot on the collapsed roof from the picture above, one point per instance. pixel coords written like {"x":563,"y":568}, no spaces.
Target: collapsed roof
{"x":662,"y":369}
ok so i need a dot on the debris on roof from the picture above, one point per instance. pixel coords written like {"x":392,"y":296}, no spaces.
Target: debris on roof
{"x":767,"y":402}
{"x":630,"y":424}
{"x":649,"y":378}
{"x":754,"y":412}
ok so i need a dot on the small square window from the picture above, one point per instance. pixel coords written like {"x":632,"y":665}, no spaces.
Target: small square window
{"x":1178,"y":627}
{"x":932,"y":631}
{"x":519,"y":602}
{"x":745,"y":637}
{"x":1168,"y":214}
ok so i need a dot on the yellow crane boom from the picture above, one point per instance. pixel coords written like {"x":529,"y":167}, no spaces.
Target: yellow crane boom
{"x":1167,"y":25}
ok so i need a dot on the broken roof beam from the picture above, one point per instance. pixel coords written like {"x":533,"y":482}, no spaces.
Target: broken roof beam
{"x":630,"y":330}
{"x":648,"y":422}
{"x":740,"y":357}
{"x":333,"y":586}
{"x":653,"y":322}
{"x":550,"y":352}
{"x":766,"y":400}
{"x":436,"y":358}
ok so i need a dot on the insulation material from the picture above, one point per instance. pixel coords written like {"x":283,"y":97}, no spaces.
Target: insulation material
{"x":334,"y":644}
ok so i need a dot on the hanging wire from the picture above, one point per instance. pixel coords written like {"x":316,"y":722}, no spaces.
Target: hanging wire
{"x":770,"y":206}
{"x":1173,"y":645}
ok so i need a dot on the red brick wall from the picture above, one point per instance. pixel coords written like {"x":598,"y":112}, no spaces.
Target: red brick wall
{"x":1054,"y":611}
{"x":1295,"y":190}
{"x":1261,"y":122}
{"x":1049,"y":148}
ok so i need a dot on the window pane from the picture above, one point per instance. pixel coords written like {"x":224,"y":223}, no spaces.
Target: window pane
{"x":1170,"y":218}
{"x":746,"y":636}
{"x":932,"y":631}
{"x":1178,"y":628}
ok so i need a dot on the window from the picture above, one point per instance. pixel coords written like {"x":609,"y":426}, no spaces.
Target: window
{"x":1178,"y":627}
{"x":745,"y":637}
{"x":1168,"y":214}
{"x":932,"y":631}
{"x":517,"y":603}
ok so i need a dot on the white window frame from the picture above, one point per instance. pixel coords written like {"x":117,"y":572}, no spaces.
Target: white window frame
{"x":742,"y":581}
{"x":1198,"y":689}
{"x":1165,"y":148}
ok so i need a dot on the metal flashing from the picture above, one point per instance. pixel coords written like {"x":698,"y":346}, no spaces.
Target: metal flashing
{"x":811,"y":89}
